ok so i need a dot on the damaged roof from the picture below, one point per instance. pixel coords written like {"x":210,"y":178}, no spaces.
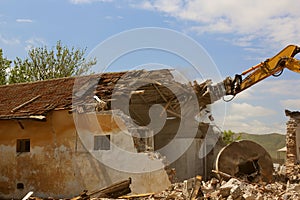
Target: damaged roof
{"x":143,"y":88}
{"x":36,"y":99}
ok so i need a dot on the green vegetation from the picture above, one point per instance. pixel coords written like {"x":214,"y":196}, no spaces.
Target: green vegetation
{"x":43,"y":63}
{"x":4,"y":66}
{"x":229,"y":137}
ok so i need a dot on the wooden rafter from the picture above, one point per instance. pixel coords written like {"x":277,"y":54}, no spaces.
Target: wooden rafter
{"x":166,"y":100}
{"x":25,"y":103}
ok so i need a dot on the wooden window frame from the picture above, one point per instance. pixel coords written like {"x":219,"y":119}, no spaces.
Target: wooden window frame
{"x":23,"y":145}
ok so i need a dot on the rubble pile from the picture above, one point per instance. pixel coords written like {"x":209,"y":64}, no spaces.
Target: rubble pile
{"x":294,"y":173}
{"x":234,"y":189}
{"x":196,"y":189}
{"x":238,"y":189}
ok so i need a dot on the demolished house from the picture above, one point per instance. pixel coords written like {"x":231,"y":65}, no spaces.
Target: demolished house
{"x":59,"y":137}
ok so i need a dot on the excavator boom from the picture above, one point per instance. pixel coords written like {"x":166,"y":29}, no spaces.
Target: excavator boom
{"x":272,"y":66}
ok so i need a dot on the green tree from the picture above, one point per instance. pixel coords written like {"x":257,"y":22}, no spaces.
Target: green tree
{"x":229,"y":137}
{"x":58,"y":62}
{"x":4,"y":66}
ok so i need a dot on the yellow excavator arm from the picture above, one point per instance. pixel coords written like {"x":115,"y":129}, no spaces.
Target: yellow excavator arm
{"x":272,"y":66}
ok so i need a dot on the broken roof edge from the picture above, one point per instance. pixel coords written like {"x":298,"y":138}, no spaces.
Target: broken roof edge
{"x":96,"y":75}
{"x":63,"y":78}
{"x":36,"y":82}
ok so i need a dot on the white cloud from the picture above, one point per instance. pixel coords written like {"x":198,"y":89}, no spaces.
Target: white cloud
{"x":244,"y":117}
{"x":109,"y":17}
{"x":88,"y":1}
{"x":167,"y":6}
{"x":143,"y":5}
{"x":24,"y":20}
{"x":245,"y":110}
{"x":11,"y":41}
{"x":34,"y":42}
{"x":282,"y":88}
{"x":275,"y":24}
{"x":291,"y":104}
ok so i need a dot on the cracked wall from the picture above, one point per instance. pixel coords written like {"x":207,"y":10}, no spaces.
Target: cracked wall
{"x":58,"y":165}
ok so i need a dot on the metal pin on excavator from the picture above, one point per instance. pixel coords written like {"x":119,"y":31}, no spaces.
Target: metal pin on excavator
{"x":272,"y":66}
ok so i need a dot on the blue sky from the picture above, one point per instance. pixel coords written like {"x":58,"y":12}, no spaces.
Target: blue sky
{"x":236,"y":34}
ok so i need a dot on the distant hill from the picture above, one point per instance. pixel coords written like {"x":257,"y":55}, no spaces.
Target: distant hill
{"x":271,"y":142}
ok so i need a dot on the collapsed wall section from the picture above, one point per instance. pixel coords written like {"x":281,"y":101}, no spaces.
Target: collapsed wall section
{"x":171,"y":109}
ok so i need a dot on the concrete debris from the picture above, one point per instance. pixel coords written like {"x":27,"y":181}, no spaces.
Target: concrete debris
{"x":234,"y":189}
{"x":213,"y":189}
{"x":294,"y":173}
